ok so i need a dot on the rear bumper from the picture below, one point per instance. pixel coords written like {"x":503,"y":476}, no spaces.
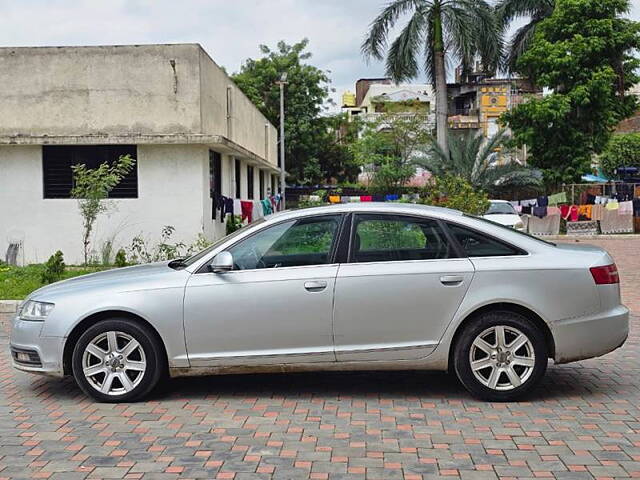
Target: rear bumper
{"x":592,"y":336}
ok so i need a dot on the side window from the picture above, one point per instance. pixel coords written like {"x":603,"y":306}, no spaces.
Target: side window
{"x":478,"y":245}
{"x":385,"y":238}
{"x":308,"y":241}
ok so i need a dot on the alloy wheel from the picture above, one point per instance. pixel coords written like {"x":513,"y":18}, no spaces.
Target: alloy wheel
{"x":114,"y":363}
{"x":502,"y":357}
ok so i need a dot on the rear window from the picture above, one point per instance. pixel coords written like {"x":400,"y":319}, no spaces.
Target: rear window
{"x":476,"y":244}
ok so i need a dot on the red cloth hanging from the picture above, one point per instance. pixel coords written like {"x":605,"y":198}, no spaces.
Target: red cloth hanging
{"x":564,"y":211}
{"x":247,"y":209}
{"x":366,"y":198}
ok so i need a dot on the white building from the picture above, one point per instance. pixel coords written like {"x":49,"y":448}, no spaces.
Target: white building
{"x":193,"y":133}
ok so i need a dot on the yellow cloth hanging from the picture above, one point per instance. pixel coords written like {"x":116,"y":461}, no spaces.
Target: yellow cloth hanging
{"x":334,"y":198}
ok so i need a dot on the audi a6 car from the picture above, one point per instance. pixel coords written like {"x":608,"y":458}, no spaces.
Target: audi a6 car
{"x":345,"y":287}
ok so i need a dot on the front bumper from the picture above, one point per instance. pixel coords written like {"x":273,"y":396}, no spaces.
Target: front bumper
{"x":592,"y":336}
{"x":25,"y":337}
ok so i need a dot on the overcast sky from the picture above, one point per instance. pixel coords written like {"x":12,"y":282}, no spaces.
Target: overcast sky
{"x":230,"y":30}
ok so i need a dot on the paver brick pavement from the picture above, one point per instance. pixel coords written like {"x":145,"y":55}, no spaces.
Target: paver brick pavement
{"x":583,"y":422}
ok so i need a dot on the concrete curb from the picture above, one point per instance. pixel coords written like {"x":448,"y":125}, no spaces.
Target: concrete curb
{"x":9,"y":306}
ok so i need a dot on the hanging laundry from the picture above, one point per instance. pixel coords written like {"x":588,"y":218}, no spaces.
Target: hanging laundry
{"x":228,"y":206}
{"x":557,"y":198}
{"x":518,"y":208}
{"x":366,"y":198}
{"x":391,"y":197}
{"x":564,"y":211}
{"x":591,"y":199}
{"x":334,"y":198}
{"x":266,"y":207}
{"x":314,"y":198}
{"x":612,"y":205}
{"x":542,"y":201}
{"x":626,"y":208}
{"x":354,"y":199}
{"x":585,"y":211}
{"x":377,"y":198}
{"x":247,"y":210}
{"x":549,"y":225}
{"x":574,"y":214}
{"x":553,"y":211}
{"x":540,"y":212}
{"x":257,"y":210}
{"x":597,"y":211}
{"x":526,"y":210}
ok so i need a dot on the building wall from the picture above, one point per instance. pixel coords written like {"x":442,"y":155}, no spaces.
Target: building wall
{"x":172,"y":186}
{"x":102,"y":89}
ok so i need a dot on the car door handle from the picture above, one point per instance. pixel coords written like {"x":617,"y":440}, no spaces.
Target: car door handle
{"x":315,"y":286}
{"x":451,"y":280}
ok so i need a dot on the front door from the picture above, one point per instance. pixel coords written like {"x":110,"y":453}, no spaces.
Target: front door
{"x":275,"y":305}
{"x":400,"y":289}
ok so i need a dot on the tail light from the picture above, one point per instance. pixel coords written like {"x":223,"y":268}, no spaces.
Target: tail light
{"x":605,"y":275}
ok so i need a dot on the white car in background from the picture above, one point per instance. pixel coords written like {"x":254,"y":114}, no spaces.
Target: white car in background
{"x":502,"y":212}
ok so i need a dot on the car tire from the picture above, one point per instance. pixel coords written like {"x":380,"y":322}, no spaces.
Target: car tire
{"x":118,"y":360}
{"x":500,"y":356}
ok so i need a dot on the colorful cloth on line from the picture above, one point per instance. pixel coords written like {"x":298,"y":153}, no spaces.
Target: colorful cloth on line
{"x":266,"y":207}
{"x":334,"y":198}
{"x":557,"y":198}
{"x":391,"y":198}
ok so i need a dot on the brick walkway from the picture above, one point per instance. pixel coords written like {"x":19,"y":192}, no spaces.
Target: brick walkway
{"x":583,"y":422}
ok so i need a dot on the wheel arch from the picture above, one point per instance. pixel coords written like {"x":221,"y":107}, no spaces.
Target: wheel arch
{"x":509,"y":307}
{"x":93,"y":319}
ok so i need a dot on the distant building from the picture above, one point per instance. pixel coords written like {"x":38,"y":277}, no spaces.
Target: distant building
{"x":194,"y":134}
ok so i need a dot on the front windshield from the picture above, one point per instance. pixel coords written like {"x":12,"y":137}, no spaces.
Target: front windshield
{"x":194,"y":258}
{"x":501,"y":208}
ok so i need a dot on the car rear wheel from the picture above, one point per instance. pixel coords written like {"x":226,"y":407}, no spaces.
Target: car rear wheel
{"x":500,"y":356}
{"x":117,"y":361}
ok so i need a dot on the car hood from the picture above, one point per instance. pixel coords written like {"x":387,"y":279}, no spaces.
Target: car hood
{"x":503,"y":219}
{"x":118,"y":276}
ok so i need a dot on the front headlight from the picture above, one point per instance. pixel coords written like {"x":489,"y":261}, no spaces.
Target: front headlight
{"x":35,"y":311}
{"x":519,"y":226}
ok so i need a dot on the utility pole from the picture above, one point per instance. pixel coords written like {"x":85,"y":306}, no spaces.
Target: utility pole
{"x":282,"y":82}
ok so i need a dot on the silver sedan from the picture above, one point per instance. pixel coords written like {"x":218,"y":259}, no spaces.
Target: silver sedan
{"x":345,"y":287}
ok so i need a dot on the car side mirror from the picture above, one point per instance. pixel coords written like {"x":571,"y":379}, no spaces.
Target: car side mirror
{"x":222,"y":262}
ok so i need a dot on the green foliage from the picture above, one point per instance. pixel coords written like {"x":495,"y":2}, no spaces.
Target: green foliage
{"x":322,"y":194}
{"x":121,"y":258}
{"x":389,"y":235}
{"x":533,"y":12}
{"x":234,"y":222}
{"x":18,"y":282}
{"x":622,"y":151}
{"x":474,"y":160}
{"x":53,"y":268}
{"x":91,"y":187}
{"x":455,"y":192}
{"x":583,"y":52}
{"x":311,"y":148}
{"x":141,"y":251}
{"x":388,"y":148}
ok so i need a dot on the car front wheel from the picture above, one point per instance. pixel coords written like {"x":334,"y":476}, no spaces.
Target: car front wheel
{"x":117,"y":360}
{"x":500,"y":356}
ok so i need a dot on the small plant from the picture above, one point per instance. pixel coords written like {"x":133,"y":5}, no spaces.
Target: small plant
{"x":53,"y":268}
{"x":121,"y":258}
{"x":91,"y":187}
{"x":105,"y":252}
{"x":200,"y":244}
{"x":141,"y":252}
{"x":454,"y":192}
{"x":234,"y":222}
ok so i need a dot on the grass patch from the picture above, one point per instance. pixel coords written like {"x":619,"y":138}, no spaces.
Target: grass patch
{"x":18,"y":282}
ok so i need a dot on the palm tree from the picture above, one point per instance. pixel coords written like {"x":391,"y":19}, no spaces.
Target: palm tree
{"x":509,"y":10}
{"x":473,"y":158}
{"x":461,"y":29}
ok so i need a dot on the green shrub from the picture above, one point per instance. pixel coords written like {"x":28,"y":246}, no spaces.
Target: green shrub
{"x":234,"y":222}
{"x":455,"y":192}
{"x":121,"y":258}
{"x":622,"y":151}
{"x":53,"y":268}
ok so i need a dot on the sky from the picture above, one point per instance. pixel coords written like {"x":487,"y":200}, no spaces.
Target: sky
{"x":230,"y":30}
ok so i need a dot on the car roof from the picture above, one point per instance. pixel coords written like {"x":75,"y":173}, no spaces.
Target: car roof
{"x":372,"y":207}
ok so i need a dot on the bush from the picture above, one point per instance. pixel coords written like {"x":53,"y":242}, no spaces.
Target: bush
{"x":121,"y":258}
{"x":234,"y":222}
{"x":622,"y":151}
{"x":454,"y":192}
{"x":53,"y":268}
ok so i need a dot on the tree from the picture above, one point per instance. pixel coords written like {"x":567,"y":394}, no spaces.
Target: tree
{"x":91,"y":187}
{"x":305,"y":94}
{"x":462,"y":29}
{"x":583,"y":53}
{"x":389,"y":147}
{"x":474,"y":160}
{"x":455,"y":192}
{"x":623,"y":150}
{"x":534,"y":11}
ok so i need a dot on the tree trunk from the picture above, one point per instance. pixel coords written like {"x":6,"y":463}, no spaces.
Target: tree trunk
{"x":441,"y":84}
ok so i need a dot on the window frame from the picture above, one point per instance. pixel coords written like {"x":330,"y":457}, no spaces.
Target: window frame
{"x":522,"y":252}
{"x":70,"y":153}
{"x":455,"y":246}
{"x":250,"y":182}
{"x":204,"y":268}
{"x":237,"y":171}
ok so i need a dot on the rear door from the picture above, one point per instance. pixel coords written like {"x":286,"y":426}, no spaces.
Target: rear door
{"x":401,"y":286}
